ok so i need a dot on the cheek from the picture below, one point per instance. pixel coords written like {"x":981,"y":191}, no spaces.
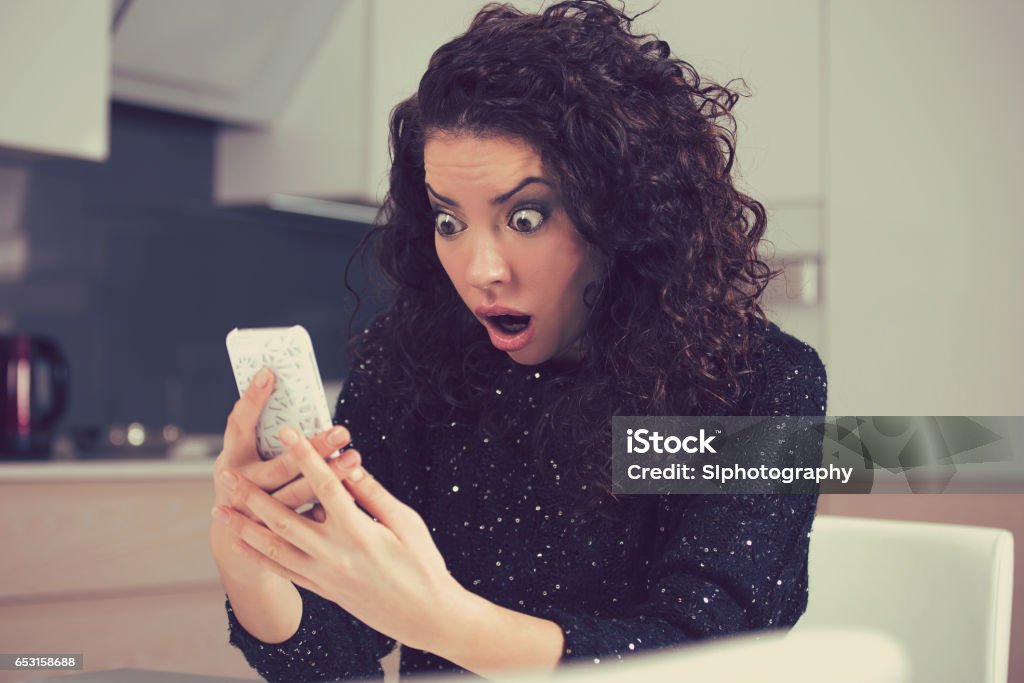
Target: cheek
{"x":559,"y":281}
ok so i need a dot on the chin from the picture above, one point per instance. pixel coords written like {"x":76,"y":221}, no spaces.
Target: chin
{"x":522,"y":358}
{"x":528,"y":356}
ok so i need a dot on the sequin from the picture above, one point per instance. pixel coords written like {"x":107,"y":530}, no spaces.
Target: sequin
{"x":581,"y":572}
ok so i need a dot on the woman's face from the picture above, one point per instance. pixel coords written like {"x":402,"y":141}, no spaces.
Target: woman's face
{"x":508,"y":246}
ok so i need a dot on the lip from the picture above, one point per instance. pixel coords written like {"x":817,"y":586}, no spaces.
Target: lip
{"x":509,"y":342}
{"x":499,"y":338}
{"x":495,"y":309}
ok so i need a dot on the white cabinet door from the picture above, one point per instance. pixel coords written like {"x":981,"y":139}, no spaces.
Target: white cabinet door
{"x":332,"y":139}
{"x":55,"y":77}
{"x":317,"y":145}
{"x":230,"y":60}
{"x":405,"y":35}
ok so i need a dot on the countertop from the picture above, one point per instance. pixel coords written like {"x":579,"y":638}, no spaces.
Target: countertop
{"x":190,"y":457}
{"x":104,"y":470}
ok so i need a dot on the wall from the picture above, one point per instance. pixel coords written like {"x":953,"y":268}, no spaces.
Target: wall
{"x":923,"y":283}
{"x":923,"y":278}
{"x":139,"y":277}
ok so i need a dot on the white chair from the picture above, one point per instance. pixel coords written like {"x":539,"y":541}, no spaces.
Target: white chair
{"x":940,"y":590}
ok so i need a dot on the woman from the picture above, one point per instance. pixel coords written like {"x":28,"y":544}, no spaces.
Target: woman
{"x":566,"y":244}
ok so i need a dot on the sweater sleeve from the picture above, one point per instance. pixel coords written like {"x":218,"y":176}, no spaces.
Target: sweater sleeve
{"x":727,"y":564}
{"x":330,"y":644}
{"x":722,"y":564}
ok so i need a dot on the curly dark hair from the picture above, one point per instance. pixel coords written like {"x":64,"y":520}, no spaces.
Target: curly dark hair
{"x":642,"y":149}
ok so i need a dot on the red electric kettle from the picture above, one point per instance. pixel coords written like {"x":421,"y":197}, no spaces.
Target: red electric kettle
{"x":34,"y":374}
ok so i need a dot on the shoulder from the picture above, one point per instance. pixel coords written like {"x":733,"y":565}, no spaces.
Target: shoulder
{"x":789,"y":378}
{"x":366,"y":355}
{"x":372,"y":346}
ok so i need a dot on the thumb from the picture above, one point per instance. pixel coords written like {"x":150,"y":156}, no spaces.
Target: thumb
{"x":240,"y":431}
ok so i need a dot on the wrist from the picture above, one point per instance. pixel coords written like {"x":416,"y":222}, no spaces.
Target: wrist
{"x":456,"y":614}
{"x":492,"y":641}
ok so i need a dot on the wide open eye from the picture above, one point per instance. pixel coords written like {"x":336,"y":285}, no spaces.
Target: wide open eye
{"x":526,"y":220}
{"x":447,"y":225}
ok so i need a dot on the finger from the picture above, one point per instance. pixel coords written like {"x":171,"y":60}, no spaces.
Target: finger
{"x":282,"y":521}
{"x":222,"y":494}
{"x":300,"y":492}
{"x":272,"y":475}
{"x":323,"y":482}
{"x":254,"y":555}
{"x":242,"y":510}
{"x":240,"y":432}
{"x":263,"y":546}
{"x":330,"y":440}
{"x":315,"y":513}
{"x":379,"y":502}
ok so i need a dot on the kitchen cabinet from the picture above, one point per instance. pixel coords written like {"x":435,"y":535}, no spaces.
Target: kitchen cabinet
{"x":117,"y":569}
{"x":55,"y":77}
{"x":111,"y":560}
{"x":331,"y":141}
{"x":317,"y":146}
{"x":178,"y":630}
{"x":230,"y":60}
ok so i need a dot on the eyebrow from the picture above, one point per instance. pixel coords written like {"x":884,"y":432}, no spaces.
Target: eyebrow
{"x":496,"y":200}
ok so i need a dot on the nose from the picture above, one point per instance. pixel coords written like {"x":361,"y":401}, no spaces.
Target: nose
{"x":487,"y":264}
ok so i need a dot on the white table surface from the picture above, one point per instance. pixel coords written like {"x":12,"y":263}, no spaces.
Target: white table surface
{"x":136,"y":676}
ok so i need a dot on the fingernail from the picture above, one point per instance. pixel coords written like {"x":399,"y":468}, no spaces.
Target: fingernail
{"x":336,"y":436}
{"x":229,"y":480}
{"x":219,"y":514}
{"x":262,"y":378}
{"x":288,"y":436}
{"x":356,"y":474}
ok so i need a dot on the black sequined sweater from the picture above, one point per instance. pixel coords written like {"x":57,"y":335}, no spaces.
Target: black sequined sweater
{"x":665,"y":570}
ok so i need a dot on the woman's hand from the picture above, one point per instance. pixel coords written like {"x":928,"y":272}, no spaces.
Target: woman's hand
{"x":276,"y":476}
{"x":386,"y":572}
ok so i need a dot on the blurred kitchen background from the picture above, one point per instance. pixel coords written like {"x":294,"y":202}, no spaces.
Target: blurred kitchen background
{"x":170,"y":170}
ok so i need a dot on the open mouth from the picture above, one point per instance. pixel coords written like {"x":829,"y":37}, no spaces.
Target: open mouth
{"x":510,"y":324}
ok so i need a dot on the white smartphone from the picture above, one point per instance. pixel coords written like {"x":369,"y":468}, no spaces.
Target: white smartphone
{"x":298,"y":398}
